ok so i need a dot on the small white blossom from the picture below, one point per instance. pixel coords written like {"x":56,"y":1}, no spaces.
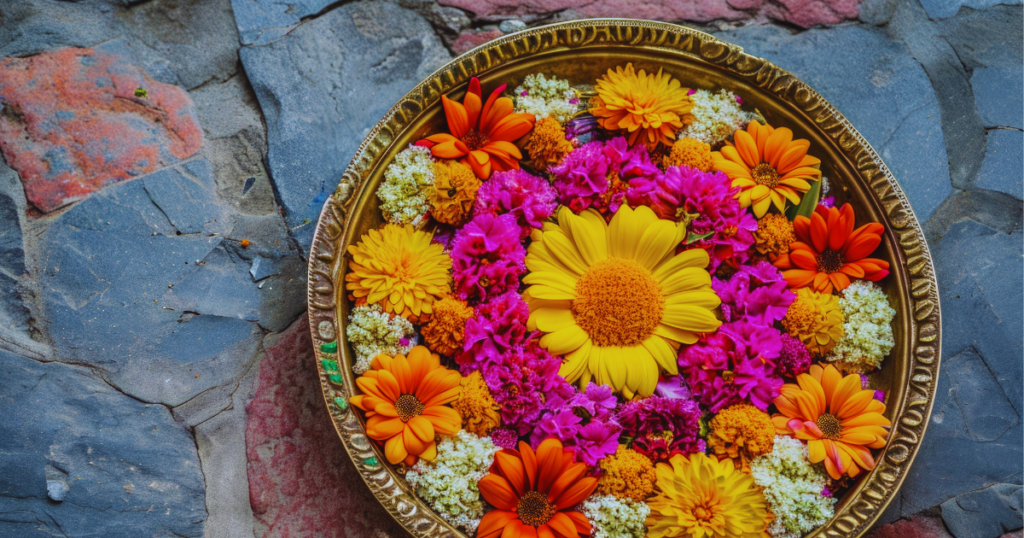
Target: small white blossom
{"x":793,"y":488}
{"x":371,"y":332}
{"x":406,"y":186}
{"x":867,"y":331}
{"x":613,"y":517}
{"x":546,"y":97}
{"x":449,"y":483}
{"x":716,"y":117}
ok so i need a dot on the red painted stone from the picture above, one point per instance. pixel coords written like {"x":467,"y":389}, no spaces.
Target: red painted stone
{"x":302,"y":484}
{"x":915,"y":527}
{"x":804,"y":13}
{"x":70,"y":123}
{"x":470,"y":39}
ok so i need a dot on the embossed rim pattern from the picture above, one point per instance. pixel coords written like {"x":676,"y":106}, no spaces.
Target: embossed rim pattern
{"x":921,"y":324}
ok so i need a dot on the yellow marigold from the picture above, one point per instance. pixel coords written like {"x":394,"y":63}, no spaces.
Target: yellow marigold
{"x":650,"y":108}
{"x":816,"y":319}
{"x":454,"y":192}
{"x":476,"y":406}
{"x":446,"y":330}
{"x":689,"y":152}
{"x":398,"y":267}
{"x":547,"y":144}
{"x":741,"y":432}
{"x":774,"y":234}
{"x":628,"y":474}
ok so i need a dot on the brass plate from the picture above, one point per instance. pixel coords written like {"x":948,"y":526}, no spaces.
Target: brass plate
{"x":581,"y":51}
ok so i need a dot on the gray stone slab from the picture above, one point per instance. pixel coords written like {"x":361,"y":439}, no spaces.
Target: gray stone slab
{"x":879,"y":87}
{"x":122,"y":468}
{"x":987,"y":513}
{"x":323,"y":86}
{"x":997,"y":92}
{"x":15,"y":316}
{"x":265,"y":21}
{"x":941,"y":9}
{"x":990,"y":38}
{"x":1003,"y":167}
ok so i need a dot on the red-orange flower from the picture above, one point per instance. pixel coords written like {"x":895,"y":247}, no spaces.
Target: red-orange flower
{"x":828,"y":252}
{"x":481,"y":136}
{"x":534,"y":492}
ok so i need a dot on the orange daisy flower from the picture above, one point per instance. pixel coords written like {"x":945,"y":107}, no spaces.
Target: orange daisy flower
{"x":404,"y":400}
{"x":534,"y":492}
{"x":768,"y":166}
{"x":840,"y":421}
{"x":481,"y":135}
{"x":828,"y":252}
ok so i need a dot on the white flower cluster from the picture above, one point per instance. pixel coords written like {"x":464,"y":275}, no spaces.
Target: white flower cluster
{"x":717,"y":117}
{"x":613,"y":517}
{"x":546,"y":97}
{"x":449,"y":483}
{"x":793,"y":488}
{"x":407,"y":182}
{"x":867,"y":331}
{"x":371,"y":331}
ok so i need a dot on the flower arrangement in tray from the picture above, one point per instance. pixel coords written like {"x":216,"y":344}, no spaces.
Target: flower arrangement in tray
{"x":624,"y":308}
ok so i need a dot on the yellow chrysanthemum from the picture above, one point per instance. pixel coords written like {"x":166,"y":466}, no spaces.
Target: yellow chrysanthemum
{"x":689,"y":152}
{"x":614,"y":298}
{"x":700,"y":496}
{"x":650,"y":108}
{"x":446,"y":330}
{"x":455,"y":188}
{"x":774,"y":234}
{"x":547,"y":144}
{"x":741,"y":433}
{"x":627,"y":474}
{"x":398,"y":267}
{"x":816,"y":319}
{"x":476,"y":406}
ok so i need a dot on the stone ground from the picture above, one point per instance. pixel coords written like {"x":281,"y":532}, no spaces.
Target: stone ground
{"x":152,"y":247}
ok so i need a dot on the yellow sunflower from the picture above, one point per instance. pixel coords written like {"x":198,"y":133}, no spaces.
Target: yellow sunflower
{"x":614,"y":298}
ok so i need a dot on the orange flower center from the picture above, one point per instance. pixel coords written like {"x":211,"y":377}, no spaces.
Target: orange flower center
{"x":534,"y":509}
{"x":830,"y":261}
{"x":408,"y":406}
{"x":618,"y":303}
{"x":474,"y":139}
{"x":765,"y":174}
{"x":830,"y":426}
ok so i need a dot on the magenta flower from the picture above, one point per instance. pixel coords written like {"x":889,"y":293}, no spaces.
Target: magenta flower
{"x":525,"y":196}
{"x":661,"y":427}
{"x":756,"y":294}
{"x":522,"y":381}
{"x":496,"y":328}
{"x":505,"y":438}
{"x":597,"y":440}
{"x":794,"y":358}
{"x":487,"y":257}
{"x":581,"y":179}
{"x":584,"y":421}
{"x":673,"y":387}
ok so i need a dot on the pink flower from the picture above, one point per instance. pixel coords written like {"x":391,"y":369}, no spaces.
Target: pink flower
{"x":661,"y":427}
{"x":521,"y":381}
{"x":487,"y":257}
{"x":691,"y":91}
{"x":756,"y":294}
{"x":505,"y":438}
{"x":525,"y":196}
{"x":496,"y":328}
{"x":584,"y":421}
{"x":794,"y":358}
{"x":597,"y":440}
{"x":596,"y":174}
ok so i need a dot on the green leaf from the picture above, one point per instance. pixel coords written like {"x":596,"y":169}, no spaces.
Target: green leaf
{"x":807,"y":204}
{"x":697,"y":237}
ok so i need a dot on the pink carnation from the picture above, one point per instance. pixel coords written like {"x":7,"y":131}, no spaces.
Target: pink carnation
{"x":585,"y":422}
{"x":582,"y":178}
{"x":522,"y":381}
{"x":794,"y":358}
{"x":661,"y":427}
{"x":756,"y":293}
{"x":496,"y":328}
{"x":487,"y":257}
{"x":525,"y":196}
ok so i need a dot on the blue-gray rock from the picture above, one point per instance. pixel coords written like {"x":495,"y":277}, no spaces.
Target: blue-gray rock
{"x":110,"y":265}
{"x":997,"y":92}
{"x":511,"y":25}
{"x":133,"y":470}
{"x":987,"y":513}
{"x":941,"y":9}
{"x":262,"y":268}
{"x":879,"y":87}
{"x":324,"y":85}
{"x":1003,"y":167}
{"x":265,"y":21}
{"x":15,"y":317}
{"x":991,"y":38}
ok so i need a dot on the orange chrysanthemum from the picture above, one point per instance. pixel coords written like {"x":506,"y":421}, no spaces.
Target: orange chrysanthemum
{"x":651,"y":108}
{"x":534,"y":493}
{"x":768,"y":166}
{"x":481,"y":136}
{"x":404,"y":399}
{"x":689,"y":152}
{"x":828,"y":252}
{"x":547,"y":144}
{"x":840,"y":421}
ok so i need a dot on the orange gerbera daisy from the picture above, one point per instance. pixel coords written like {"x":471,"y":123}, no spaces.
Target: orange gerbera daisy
{"x":828,"y":252}
{"x":404,"y":400}
{"x":768,"y":166}
{"x":840,"y":421}
{"x":481,"y":136}
{"x":534,"y":492}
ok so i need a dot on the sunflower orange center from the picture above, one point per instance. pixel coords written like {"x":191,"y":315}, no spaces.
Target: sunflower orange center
{"x":408,"y":406}
{"x":765,"y":174}
{"x":474,"y":139}
{"x":534,"y":509}
{"x":618,"y":303}
{"x":830,"y":261}
{"x":829,"y":426}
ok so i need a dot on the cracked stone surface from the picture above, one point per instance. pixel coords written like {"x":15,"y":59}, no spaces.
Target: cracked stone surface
{"x":159,"y":373}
